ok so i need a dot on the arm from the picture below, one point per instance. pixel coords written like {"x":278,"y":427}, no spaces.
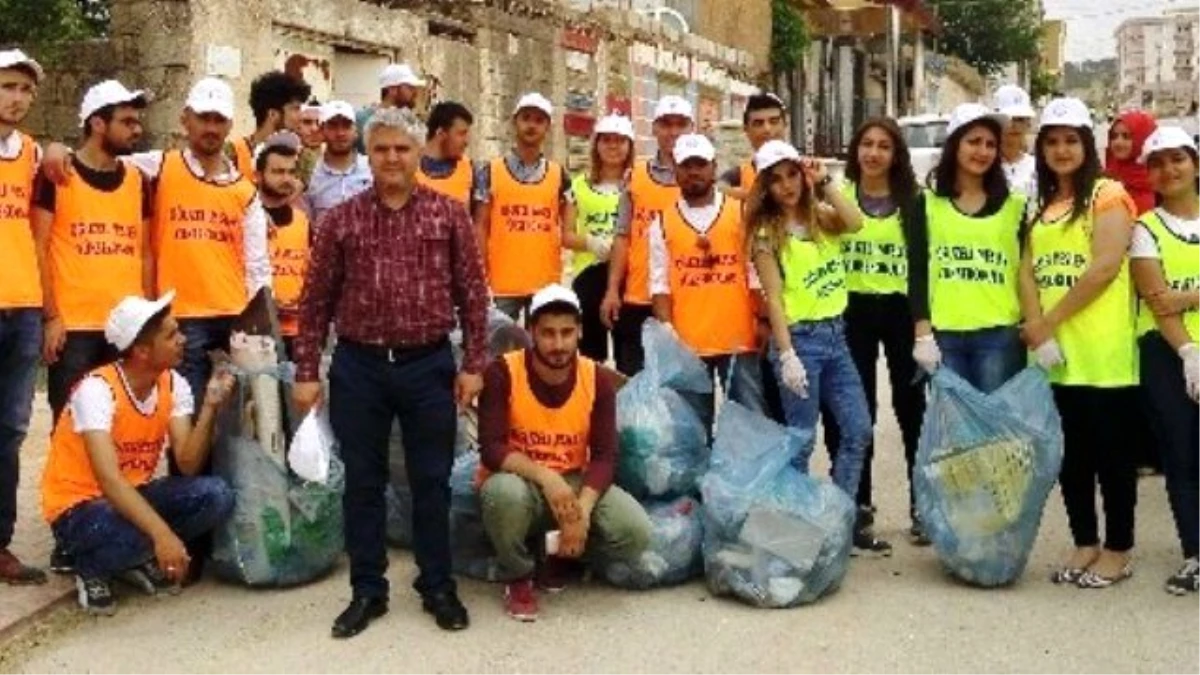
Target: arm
{"x":660,"y":285}
{"x":1150,"y":281}
{"x":1031,"y":305}
{"x":567,"y":211}
{"x":469,"y":289}
{"x":916,"y":244}
{"x":482,"y":200}
{"x":258,"y":259}
{"x":845,"y":216}
{"x":772,"y":287}
{"x":602,"y":441}
{"x":149,"y":280}
{"x":322,"y":289}
{"x":54,"y":332}
{"x":190,"y":443}
{"x":730,"y":184}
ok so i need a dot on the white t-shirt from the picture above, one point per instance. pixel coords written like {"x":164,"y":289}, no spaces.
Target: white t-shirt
{"x":1022,"y":177}
{"x":92,"y":404}
{"x":1144,"y":244}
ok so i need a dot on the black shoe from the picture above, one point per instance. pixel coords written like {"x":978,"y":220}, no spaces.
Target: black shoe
{"x":358,"y":616}
{"x":917,"y":534}
{"x":149,"y":579}
{"x":864,"y":516}
{"x":865,"y":544}
{"x":61,"y":562}
{"x":447,"y":610}
{"x":95,"y":596}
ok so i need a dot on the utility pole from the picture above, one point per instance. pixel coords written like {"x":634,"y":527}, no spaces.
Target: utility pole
{"x":893,"y":58}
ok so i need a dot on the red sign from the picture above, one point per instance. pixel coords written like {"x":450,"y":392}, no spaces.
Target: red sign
{"x":578,"y":124}
{"x":618,"y":104}
{"x":580,"y":40}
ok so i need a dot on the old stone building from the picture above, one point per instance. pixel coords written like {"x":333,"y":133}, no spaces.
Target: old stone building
{"x":588,"y":57}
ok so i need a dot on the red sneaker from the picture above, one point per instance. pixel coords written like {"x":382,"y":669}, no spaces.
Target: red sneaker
{"x":554,"y":573}
{"x":520,"y":600}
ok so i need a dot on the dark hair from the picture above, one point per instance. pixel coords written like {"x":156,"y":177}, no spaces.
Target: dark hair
{"x":443,"y":116}
{"x":274,"y":90}
{"x":995,"y":184}
{"x":556,"y":308}
{"x":902,"y":182}
{"x":149,"y":330}
{"x":281,"y":150}
{"x":106,"y":113}
{"x":762,"y":102}
{"x":1082,"y":181}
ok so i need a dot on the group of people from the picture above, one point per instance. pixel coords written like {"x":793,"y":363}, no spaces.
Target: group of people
{"x":122,"y":270}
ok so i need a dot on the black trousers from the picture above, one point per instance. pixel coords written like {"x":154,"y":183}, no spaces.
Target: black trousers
{"x":1098,"y":447}
{"x":590,"y":286}
{"x":871,"y":321}
{"x":82,"y":352}
{"x":627,"y":338}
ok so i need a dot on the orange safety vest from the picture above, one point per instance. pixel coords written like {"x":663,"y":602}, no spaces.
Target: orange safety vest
{"x":524,"y":243}
{"x":289,"y":261}
{"x":199,"y":240}
{"x":456,"y":186}
{"x":20,"y":279}
{"x":243,"y":157}
{"x":556,"y":438}
{"x":69,"y":480}
{"x":96,"y":249}
{"x":747,"y":176}
{"x":712,"y":305}
{"x":648,"y":198}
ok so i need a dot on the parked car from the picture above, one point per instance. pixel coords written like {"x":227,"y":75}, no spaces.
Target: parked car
{"x":924,"y":135}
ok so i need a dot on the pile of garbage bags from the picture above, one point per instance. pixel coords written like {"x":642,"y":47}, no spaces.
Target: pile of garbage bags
{"x":663,"y":442}
{"x":773,"y":536}
{"x":283,"y":530}
{"x":985,"y":466}
{"x":673,"y":556}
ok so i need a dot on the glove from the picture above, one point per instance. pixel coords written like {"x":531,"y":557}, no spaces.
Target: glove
{"x":927,"y":354}
{"x":1049,"y":354}
{"x":1190,"y":353}
{"x":791,"y":371}
{"x":599,"y":246}
{"x":670,"y":330}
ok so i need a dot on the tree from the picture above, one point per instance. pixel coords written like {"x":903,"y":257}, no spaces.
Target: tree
{"x":989,"y":34}
{"x":789,"y":37}
{"x":44,"y":27}
{"x":1043,"y":84}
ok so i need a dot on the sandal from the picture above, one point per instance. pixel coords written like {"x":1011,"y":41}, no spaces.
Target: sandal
{"x":1067,"y":575}
{"x":1091,"y":579}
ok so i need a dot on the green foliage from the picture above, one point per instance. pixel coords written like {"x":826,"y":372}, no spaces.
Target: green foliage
{"x":989,"y":34}
{"x":1042,"y":83}
{"x":44,"y":27}
{"x":789,"y":37}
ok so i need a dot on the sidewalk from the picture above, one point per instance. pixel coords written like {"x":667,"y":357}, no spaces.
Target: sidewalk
{"x":32,"y":542}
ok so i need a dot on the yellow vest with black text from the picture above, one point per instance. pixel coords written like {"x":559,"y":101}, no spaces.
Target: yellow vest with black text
{"x":973,"y":265}
{"x":875,"y":257}
{"x":595,"y":214}
{"x":1181,"y":268}
{"x":814,"y":277}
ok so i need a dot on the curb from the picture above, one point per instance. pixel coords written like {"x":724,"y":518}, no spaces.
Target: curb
{"x":16,"y":628}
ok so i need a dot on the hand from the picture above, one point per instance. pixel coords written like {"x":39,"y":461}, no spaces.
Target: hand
{"x":927,"y":354}
{"x":218,"y":389}
{"x":572,"y":539}
{"x":1036,"y":332}
{"x":791,"y":371}
{"x":54,"y":336}
{"x":306,"y":396}
{"x":1170,"y":302}
{"x":610,"y":309}
{"x":56,"y":162}
{"x":466,"y":387}
{"x":171,"y":556}
{"x":1190,"y":354}
{"x":1049,"y":354}
{"x":562,"y":500}
{"x":599,"y":246}
{"x":814,"y":171}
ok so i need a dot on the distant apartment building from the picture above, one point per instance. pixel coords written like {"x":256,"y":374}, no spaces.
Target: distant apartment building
{"x":1156,"y":60}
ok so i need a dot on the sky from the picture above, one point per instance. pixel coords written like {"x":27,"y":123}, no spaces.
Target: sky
{"x":1090,"y":23}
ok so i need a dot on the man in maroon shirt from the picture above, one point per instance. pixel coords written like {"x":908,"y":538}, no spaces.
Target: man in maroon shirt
{"x":548,"y":437}
{"x":388,"y":267}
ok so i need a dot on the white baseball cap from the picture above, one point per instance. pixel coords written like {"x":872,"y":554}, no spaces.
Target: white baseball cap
{"x":615,"y":124}
{"x":108,"y":92}
{"x":694,"y":146}
{"x":1166,"y":138}
{"x":1013,"y":101}
{"x":967,"y":113}
{"x":11,"y":58}
{"x":554,"y":293}
{"x":774,"y":152}
{"x":1066,"y":112}
{"x":211,"y":95}
{"x":336,"y":109}
{"x":279,"y":139}
{"x":673,"y":105}
{"x":129,"y":316}
{"x":536,"y":101}
{"x":308,"y":108}
{"x":396,"y":74}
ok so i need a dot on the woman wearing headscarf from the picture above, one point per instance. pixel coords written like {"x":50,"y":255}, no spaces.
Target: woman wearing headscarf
{"x":1126,"y":137}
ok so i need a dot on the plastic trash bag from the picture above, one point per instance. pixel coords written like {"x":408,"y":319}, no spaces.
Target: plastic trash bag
{"x":283,"y":530}
{"x":471,"y":550}
{"x":674,"y":554}
{"x":773,"y":537}
{"x":663,"y":442}
{"x":985,"y":466}
{"x":312,"y":448}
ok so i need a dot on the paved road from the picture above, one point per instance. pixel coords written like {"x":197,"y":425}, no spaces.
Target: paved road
{"x":897,"y":614}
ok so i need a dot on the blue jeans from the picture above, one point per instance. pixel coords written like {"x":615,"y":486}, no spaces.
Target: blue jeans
{"x":986,"y":358}
{"x":103,"y":543}
{"x":833,"y":383}
{"x":367,"y":391}
{"x":20,"y":348}
{"x":202,"y":336}
{"x":746,"y":387}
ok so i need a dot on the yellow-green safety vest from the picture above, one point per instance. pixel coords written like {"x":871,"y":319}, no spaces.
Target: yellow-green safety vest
{"x":1099,"y":343}
{"x":875,"y":258}
{"x":973,"y":265}
{"x":814,"y":278}
{"x":596,"y":214}
{"x":1181,"y":267}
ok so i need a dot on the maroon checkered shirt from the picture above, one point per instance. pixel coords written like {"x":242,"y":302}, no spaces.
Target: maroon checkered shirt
{"x":393,"y":278}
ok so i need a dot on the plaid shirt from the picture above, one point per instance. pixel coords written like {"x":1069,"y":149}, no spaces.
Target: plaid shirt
{"x":393,"y":278}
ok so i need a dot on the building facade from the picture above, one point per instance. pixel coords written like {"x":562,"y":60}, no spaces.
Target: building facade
{"x":1156,"y":61}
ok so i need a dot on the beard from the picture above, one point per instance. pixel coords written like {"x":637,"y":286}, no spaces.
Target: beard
{"x":274,"y":193}
{"x":555,"y":360}
{"x":695,"y":190}
{"x":114,"y":149}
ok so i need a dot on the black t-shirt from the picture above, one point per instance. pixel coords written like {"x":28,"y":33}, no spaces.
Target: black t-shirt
{"x":45,"y":192}
{"x":281,"y":216}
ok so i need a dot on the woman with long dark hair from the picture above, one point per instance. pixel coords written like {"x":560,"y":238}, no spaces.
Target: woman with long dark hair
{"x":963,"y":248}
{"x":1078,"y":303}
{"x":880,"y":182}
{"x":1165,"y":262}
